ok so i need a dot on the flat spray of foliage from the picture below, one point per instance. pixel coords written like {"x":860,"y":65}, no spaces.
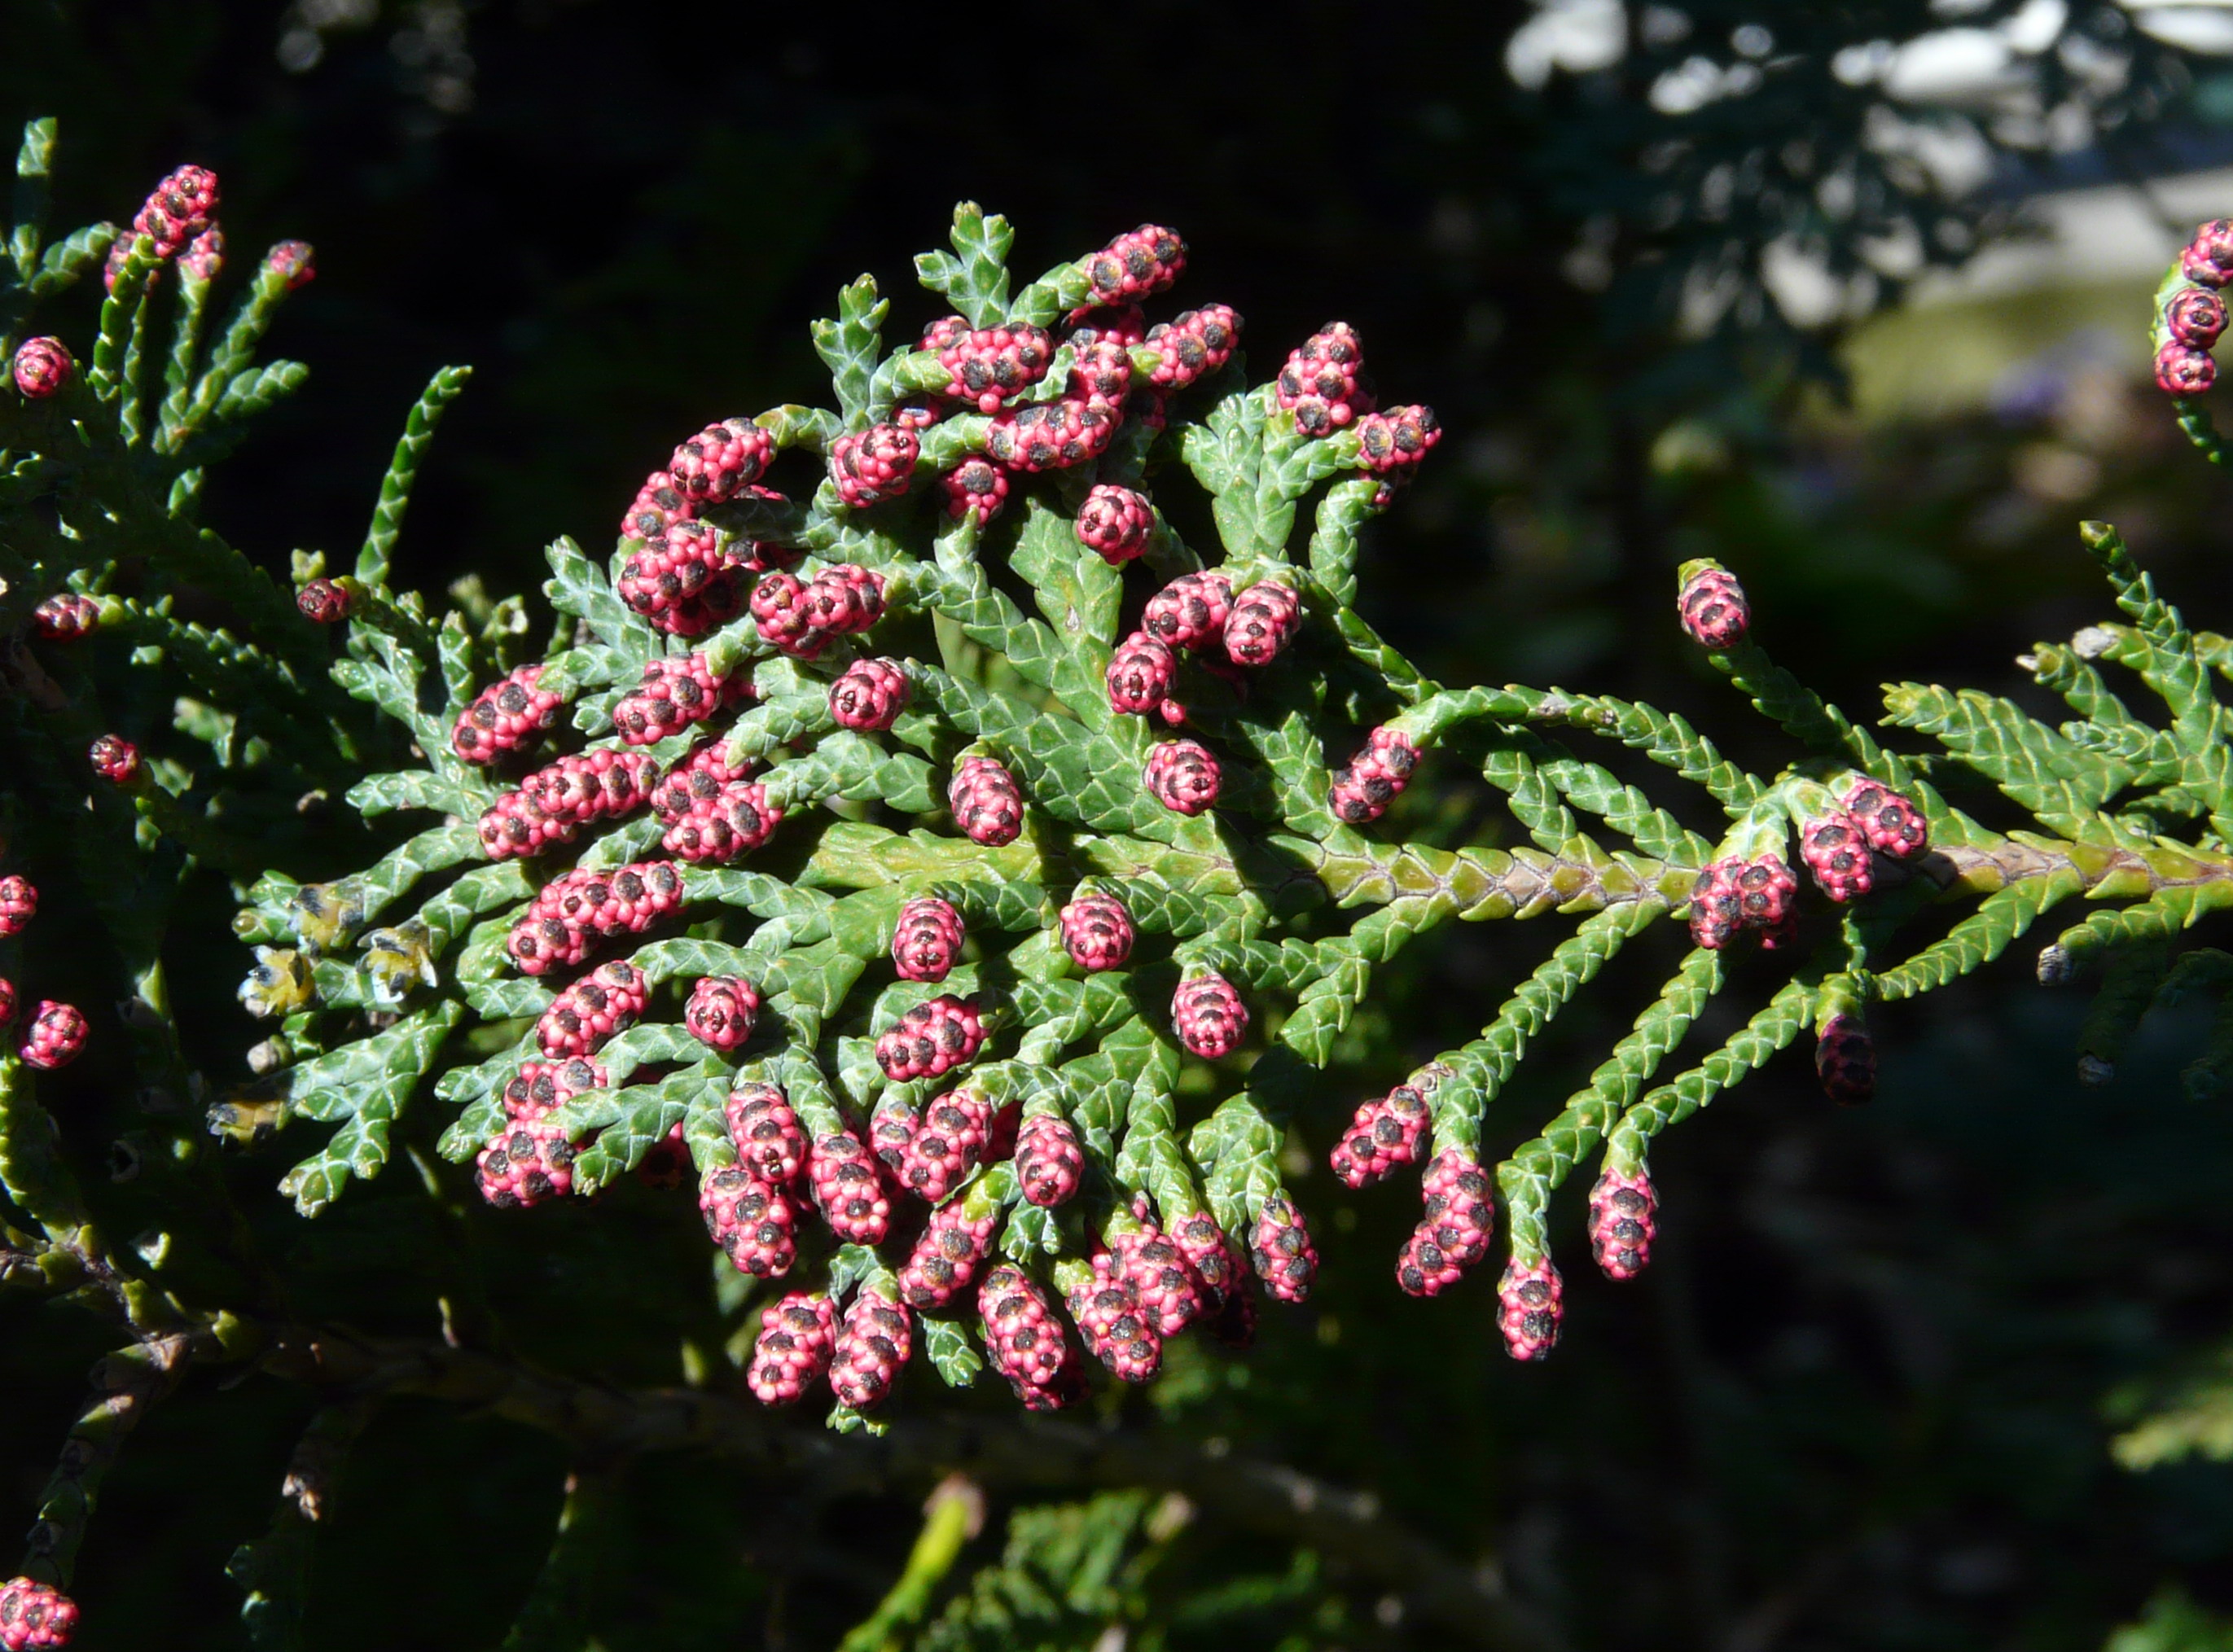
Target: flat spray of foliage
{"x":319,"y":783}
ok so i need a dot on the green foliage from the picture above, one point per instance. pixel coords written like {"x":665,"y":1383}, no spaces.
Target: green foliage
{"x":2189,"y":1415}
{"x":1067,"y":1574}
{"x":2174,"y":1624}
{"x":974,"y":278}
{"x":277,"y":773}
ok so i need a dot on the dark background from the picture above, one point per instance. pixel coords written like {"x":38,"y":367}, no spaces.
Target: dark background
{"x":1863,"y":1397}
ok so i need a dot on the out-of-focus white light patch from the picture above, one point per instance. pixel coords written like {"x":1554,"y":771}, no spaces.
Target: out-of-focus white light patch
{"x":1858,"y":65}
{"x":1576,"y":35}
{"x":2036,"y":26}
{"x":1950,"y":148}
{"x":1690,"y":86}
{"x":1803,"y":288}
{"x":1952,"y":65}
{"x":2192,"y":25}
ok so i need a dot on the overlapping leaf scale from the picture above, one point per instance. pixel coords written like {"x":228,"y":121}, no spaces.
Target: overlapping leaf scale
{"x":1533,"y":1171}
{"x":2053,"y":781}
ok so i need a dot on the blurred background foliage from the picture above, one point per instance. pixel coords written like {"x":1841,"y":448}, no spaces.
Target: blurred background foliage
{"x":1851,"y":296}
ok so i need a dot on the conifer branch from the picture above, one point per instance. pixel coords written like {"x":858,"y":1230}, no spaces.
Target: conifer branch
{"x":983,"y":996}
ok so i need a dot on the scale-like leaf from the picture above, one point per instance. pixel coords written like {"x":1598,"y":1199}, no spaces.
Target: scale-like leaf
{"x":952,"y":1355}
{"x":973,"y":278}
{"x":849,"y":346}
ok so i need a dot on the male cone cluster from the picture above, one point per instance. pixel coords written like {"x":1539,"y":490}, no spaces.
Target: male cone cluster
{"x":1753,"y":892}
{"x":2191,"y":312}
{"x":55,"y":1033}
{"x":34,"y":1616}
